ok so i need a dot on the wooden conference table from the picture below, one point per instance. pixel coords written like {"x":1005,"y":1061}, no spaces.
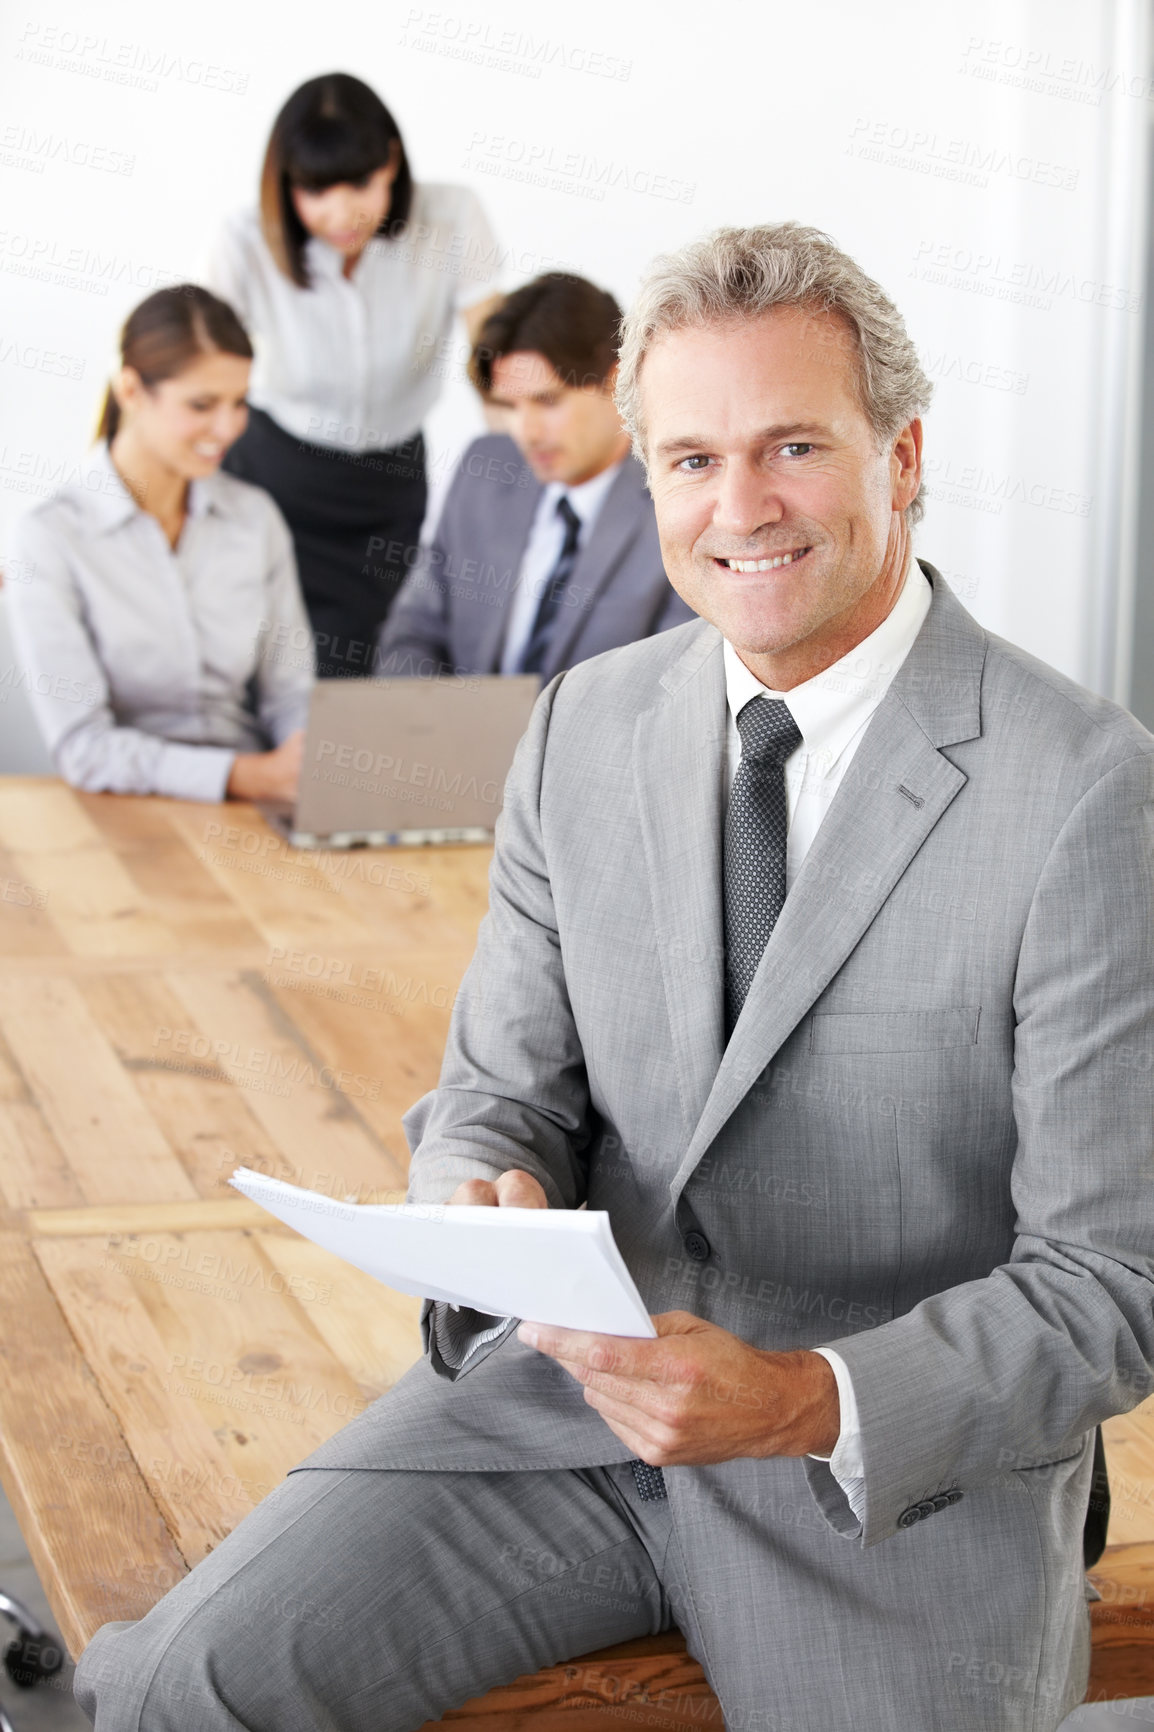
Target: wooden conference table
{"x":181,"y":994}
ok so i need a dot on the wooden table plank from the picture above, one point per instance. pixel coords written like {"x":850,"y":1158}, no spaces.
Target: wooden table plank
{"x":408,"y":894}
{"x":282,"y":891}
{"x":42,"y":812}
{"x":372,"y":1331}
{"x":1129,"y":1439}
{"x":178,"y":886}
{"x":311,"y":1109}
{"x":200,"y":1215}
{"x":97,"y":1538}
{"x":650,"y":1683}
{"x":206,"y":1119}
{"x":240,"y":1353}
{"x":112,"y":1144}
{"x":90,"y":899}
{"x":96,"y":905}
{"x":34,"y":1173}
{"x":137,"y":824}
{"x":384,"y":1020}
{"x":34,"y":1170}
{"x":26,"y":927}
{"x":107,"y":1312}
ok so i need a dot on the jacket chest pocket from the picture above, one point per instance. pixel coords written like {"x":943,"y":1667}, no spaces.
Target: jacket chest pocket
{"x":877,"y":1031}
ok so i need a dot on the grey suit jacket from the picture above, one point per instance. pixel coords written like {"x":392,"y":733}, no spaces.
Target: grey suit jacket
{"x":928,"y":1144}
{"x":451,"y":612}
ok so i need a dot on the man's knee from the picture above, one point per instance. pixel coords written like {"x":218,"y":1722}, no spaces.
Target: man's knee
{"x":123,"y":1682}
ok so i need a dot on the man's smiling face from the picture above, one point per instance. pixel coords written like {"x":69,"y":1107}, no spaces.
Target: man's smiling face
{"x":780,"y":520}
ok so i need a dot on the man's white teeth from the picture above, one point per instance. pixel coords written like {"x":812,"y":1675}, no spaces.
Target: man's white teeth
{"x":765,"y":564}
{"x":208,"y":450}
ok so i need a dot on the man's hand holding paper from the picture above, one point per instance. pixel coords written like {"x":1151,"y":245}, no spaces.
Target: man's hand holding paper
{"x":698,"y":1394}
{"x":513,"y":1190}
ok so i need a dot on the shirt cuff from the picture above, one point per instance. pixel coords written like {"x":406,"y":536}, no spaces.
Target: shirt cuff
{"x":193,"y":772}
{"x":846,"y":1464}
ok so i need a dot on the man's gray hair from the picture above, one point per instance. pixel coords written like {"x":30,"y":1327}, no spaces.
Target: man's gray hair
{"x":737,"y":273}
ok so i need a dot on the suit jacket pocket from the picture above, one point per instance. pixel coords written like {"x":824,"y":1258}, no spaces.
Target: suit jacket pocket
{"x":864,"y":1031}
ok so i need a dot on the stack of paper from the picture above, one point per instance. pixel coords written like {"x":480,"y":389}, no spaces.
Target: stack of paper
{"x":557,"y":1266}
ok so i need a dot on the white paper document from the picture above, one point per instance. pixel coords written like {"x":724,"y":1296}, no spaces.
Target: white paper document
{"x":559,"y":1266}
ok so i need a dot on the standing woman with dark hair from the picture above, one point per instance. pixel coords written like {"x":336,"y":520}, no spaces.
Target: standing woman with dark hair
{"x":162,"y":636}
{"x":349,"y":278}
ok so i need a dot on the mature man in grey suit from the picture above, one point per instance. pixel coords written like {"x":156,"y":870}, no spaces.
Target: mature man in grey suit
{"x":820,"y":953}
{"x":546,"y":552}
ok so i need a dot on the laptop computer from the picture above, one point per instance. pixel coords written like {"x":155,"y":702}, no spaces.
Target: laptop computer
{"x":405,"y":762}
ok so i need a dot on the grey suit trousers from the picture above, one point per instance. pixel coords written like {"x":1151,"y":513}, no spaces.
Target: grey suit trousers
{"x":372,"y":1601}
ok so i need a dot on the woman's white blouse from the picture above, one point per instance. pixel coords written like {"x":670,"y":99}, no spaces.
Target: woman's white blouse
{"x":150,"y":667}
{"x":357,"y":363}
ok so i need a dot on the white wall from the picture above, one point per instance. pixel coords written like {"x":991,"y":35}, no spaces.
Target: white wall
{"x":983,"y":158}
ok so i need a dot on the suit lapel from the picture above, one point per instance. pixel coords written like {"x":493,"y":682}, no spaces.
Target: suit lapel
{"x":501,"y":544}
{"x":615,"y":528}
{"x":678,"y":764}
{"x":896,"y":788}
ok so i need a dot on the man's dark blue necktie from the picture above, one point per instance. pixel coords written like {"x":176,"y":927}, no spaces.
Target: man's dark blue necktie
{"x":532,"y":658}
{"x":756,"y":826}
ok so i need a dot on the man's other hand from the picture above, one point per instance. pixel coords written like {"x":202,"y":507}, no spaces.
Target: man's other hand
{"x":513,"y":1190}
{"x":699,"y":1394}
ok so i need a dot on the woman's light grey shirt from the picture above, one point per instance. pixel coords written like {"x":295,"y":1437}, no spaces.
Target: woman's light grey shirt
{"x":150,"y":667}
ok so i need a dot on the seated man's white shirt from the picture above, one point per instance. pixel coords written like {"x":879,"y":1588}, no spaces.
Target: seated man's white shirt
{"x":543,"y":550}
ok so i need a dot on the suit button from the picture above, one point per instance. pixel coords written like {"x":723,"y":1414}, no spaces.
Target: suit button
{"x":928,"y":1507}
{"x":911,"y":1515}
{"x":696,"y":1245}
{"x":941,"y":1500}
{"x":953,"y":1495}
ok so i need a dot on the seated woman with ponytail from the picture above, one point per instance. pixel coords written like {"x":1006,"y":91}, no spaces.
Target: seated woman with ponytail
{"x":163,"y":638}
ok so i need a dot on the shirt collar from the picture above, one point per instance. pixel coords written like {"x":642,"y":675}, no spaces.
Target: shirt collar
{"x":109,"y":504}
{"x":586,"y":499}
{"x":322,"y":260}
{"x":830,"y":708}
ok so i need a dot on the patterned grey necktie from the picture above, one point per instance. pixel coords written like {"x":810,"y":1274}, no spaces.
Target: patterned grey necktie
{"x":755,"y":833}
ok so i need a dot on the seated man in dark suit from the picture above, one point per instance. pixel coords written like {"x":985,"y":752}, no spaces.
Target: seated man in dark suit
{"x":546,"y":551}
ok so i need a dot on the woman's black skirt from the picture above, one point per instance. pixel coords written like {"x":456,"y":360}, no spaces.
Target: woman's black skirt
{"x":356,"y":520}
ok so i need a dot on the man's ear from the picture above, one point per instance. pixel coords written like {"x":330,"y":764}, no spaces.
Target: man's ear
{"x":906,"y":464}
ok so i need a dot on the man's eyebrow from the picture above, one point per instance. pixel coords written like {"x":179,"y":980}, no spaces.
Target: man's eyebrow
{"x":764,"y":436}
{"x":531,"y":397}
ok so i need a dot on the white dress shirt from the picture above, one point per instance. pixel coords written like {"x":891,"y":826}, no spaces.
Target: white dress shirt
{"x":542,"y":551}
{"x":357,"y":362}
{"x":150,"y":667}
{"x":832,"y":711}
